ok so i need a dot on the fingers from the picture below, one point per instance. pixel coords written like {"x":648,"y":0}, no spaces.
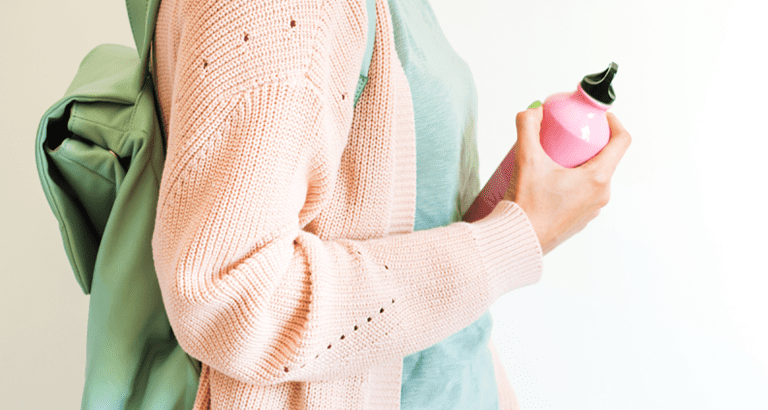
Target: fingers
{"x":617,"y":145}
{"x":528,"y":124}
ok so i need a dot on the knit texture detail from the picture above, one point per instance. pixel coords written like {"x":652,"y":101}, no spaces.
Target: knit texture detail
{"x":284,"y":241}
{"x":500,"y":251}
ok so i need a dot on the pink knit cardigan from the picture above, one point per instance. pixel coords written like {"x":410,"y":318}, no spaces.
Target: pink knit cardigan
{"x":284,"y":241}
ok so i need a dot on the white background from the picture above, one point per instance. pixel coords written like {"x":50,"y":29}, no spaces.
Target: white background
{"x":658,"y":304}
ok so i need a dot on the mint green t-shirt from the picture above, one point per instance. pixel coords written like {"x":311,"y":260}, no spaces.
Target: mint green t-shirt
{"x":456,"y":373}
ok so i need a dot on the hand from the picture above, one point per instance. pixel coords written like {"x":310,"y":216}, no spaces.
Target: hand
{"x":561,"y":201}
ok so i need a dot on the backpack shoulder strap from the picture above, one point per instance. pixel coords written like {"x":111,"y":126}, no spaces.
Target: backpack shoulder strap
{"x":142,"y":15}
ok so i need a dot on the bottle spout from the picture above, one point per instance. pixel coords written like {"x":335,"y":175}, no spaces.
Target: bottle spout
{"x":598,"y":86}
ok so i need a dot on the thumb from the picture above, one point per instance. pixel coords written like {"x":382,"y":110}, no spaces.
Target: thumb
{"x":528,"y":124}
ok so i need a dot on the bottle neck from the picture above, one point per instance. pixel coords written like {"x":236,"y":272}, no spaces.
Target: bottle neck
{"x":582,"y":95}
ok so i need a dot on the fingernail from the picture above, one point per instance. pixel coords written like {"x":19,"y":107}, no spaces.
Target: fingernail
{"x":536,"y":104}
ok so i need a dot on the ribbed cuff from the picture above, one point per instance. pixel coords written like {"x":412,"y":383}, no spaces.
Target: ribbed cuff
{"x":509,"y":248}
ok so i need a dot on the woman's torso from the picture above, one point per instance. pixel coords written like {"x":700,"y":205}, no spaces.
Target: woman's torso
{"x":456,"y":373}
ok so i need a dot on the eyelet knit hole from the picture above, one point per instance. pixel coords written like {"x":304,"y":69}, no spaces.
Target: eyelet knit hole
{"x":386,"y":267}
{"x":381,"y":310}
{"x":393,"y":301}
{"x":205,"y":63}
{"x":293,"y":23}
{"x":286,"y":369}
{"x":343,"y":96}
{"x":329,"y":346}
{"x":342,"y":337}
{"x":369,"y":319}
{"x":356,"y":327}
{"x":295,"y":242}
{"x":245,"y":37}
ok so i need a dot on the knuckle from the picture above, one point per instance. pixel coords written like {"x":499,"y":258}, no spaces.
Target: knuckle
{"x":604,"y":198}
{"x":521,"y":117}
{"x":601,"y":178}
{"x":526,"y":117}
{"x":601,"y":185}
{"x":627,"y":139}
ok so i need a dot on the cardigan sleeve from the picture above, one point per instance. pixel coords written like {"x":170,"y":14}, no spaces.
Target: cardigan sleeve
{"x":248,"y":289}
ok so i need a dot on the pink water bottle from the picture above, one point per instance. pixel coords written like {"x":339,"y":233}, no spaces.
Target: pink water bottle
{"x":573,"y":130}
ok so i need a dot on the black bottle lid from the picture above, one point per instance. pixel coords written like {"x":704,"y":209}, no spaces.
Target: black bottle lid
{"x":598,"y":86}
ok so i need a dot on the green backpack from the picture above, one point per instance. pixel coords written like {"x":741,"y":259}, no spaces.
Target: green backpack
{"x":100,"y":153}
